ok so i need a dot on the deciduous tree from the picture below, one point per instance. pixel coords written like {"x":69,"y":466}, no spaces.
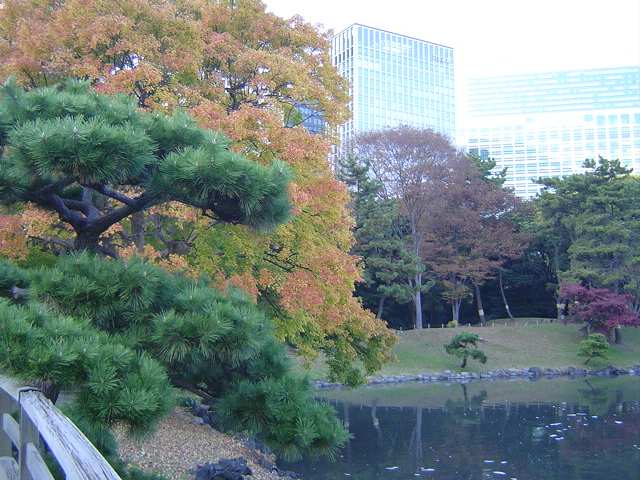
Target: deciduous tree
{"x":408,"y":162}
{"x":239,"y":69}
{"x":599,"y":309}
{"x":381,"y":239}
{"x":470,"y":232}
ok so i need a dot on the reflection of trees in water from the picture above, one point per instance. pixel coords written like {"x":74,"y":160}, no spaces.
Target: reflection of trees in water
{"x":467,"y":430}
{"x":605,"y":450}
{"x":467,"y":411}
{"x":415,"y":445}
{"x":345,"y":420}
{"x":376,"y":422}
{"x":596,"y":399}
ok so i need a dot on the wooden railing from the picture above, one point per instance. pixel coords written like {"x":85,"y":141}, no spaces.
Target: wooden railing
{"x":41,"y":428}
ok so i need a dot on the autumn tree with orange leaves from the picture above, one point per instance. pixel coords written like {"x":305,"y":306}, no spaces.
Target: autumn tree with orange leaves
{"x":239,"y":69}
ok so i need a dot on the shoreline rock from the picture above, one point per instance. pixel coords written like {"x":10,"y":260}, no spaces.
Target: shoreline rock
{"x":531,"y":373}
{"x":260,"y":454}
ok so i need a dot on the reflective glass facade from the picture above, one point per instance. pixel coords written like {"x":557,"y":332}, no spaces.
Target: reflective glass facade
{"x":394,"y":80}
{"x":547,"y":124}
{"x":309,"y":117}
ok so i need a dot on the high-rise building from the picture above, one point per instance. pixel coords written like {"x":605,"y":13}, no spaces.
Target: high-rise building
{"x":394,"y":80}
{"x":307,"y":117}
{"x":547,"y":124}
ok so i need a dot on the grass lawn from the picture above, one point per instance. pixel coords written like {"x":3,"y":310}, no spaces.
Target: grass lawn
{"x":523,"y":344}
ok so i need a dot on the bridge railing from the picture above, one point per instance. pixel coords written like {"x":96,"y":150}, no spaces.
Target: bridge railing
{"x":40,"y":427}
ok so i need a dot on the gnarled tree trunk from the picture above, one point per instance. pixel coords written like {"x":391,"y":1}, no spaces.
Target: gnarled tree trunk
{"x":137,"y":227}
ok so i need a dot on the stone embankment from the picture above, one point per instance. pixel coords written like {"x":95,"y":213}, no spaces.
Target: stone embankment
{"x":532,"y":373}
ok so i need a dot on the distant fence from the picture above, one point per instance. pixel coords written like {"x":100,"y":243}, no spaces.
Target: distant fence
{"x":502,"y":323}
{"x":41,"y":428}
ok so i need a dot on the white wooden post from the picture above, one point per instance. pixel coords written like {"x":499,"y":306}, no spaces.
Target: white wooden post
{"x":41,"y":423}
{"x":29,"y":438}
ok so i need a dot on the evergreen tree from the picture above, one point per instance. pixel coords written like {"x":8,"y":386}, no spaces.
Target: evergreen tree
{"x":96,"y":160}
{"x":606,"y":251}
{"x":465,"y":346}
{"x":381,"y":235}
{"x":594,"y":347}
{"x":590,"y":224}
{"x":487,"y":168}
{"x":121,"y":333}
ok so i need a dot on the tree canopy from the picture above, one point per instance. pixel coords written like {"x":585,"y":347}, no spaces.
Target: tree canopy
{"x":592,"y":221}
{"x":408,"y":162}
{"x":381,"y":232}
{"x":458,"y":219}
{"x":120,"y":334}
{"x":236,"y":68}
{"x":78,"y":153}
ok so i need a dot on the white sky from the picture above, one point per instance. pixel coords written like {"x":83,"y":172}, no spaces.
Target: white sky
{"x":495,"y":37}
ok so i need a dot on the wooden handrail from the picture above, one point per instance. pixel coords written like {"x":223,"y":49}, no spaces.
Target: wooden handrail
{"x":22,"y":445}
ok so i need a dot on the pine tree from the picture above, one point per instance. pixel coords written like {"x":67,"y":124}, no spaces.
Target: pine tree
{"x":121,"y":333}
{"x":487,"y":168}
{"x":465,"y":346}
{"x":96,"y":160}
{"x":591,"y":223}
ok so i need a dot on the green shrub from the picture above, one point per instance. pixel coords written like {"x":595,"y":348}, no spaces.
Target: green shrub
{"x":274,"y":409}
{"x":112,"y":382}
{"x":594,"y":347}
{"x":11,"y":276}
{"x":464,"y":346}
{"x":120,"y":332}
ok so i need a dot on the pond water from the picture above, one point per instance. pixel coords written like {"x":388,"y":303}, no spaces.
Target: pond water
{"x":561,"y":429}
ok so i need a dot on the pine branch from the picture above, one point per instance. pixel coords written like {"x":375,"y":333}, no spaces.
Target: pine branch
{"x":53,"y":187}
{"x":57,"y":203}
{"x":193,"y":389}
{"x":140,"y":203}
{"x":108,"y":192}
{"x":85,"y":205}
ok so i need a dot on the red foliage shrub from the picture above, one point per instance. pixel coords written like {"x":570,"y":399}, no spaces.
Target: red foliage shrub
{"x":601,"y":309}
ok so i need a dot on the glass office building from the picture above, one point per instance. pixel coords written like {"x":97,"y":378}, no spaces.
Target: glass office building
{"x":394,"y":80}
{"x":310,"y":118}
{"x":547,"y":124}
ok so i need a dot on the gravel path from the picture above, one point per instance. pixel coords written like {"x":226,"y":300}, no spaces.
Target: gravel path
{"x":179,"y":445}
